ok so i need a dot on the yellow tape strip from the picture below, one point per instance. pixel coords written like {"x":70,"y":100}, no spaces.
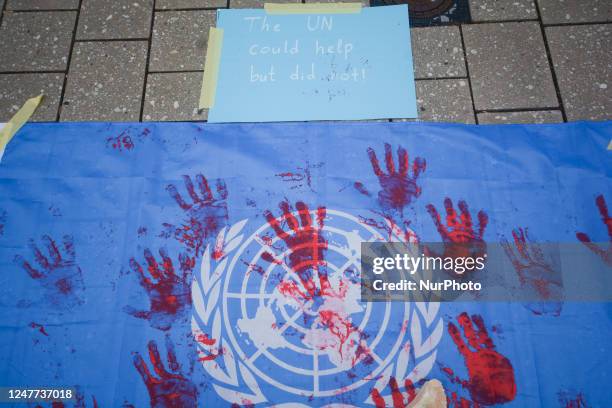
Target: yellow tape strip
{"x":313,"y":8}
{"x":17,"y":121}
{"x":610,"y":145}
{"x":211,"y":68}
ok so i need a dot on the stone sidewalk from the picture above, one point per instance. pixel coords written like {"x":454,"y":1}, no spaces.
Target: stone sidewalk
{"x":519,"y":61}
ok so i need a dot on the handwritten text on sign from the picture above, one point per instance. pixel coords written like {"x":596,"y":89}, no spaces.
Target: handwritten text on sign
{"x":340,"y":47}
{"x":291,"y":67}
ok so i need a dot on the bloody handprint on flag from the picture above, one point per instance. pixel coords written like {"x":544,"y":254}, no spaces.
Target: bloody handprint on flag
{"x":58,"y":273}
{"x":205,"y":214}
{"x":490,"y":374}
{"x":169,"y":290}
{"x":169,"y":389}
{"x":458,"y":234}
{"x":398,"y":188}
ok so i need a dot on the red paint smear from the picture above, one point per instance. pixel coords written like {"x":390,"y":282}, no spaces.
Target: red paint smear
{"x":491,"y":375}
{"x":40,"y":328}
{"x":142,"y":231}
{"x":398,"y":187}
{"x":169,"y":292}
{"x":217,"y":254}
{"x":203,"y":339}
{"x":121,"y":142}
{"x":253,"y":267}
{"x":205,"y":214}
{"x":390,"y":228}
{"x":396,"y":394}
{"x":301,"y":177}
{"x":268,"y":257}
{"x":606,"y":255}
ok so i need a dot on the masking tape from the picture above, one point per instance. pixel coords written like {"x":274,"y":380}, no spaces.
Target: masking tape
{"x":610,"y":145}
{"x":312,"y":8}
{"x":17,"y":121}
{"x":211,"y":68}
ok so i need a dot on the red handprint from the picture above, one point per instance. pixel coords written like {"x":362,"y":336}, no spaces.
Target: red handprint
{"x":536,"y":271}
{"x":397,"y":187}
{"x":606,"y":255}
{"x":491,"y":375}
{"x":168,"y":389}
{"x":458,"y":235}
{"x":205,"y":215}
{"x":397,"y":396}
{"x":169,"y":292}
{"x":306,"y":244}
{"x":58,"y":274}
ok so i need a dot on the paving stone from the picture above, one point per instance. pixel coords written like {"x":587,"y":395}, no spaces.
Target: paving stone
{"x":499,"y":10}
{"x":257,"y":3}
{"x":173,"y":96}
{"x":42,"y":4}
{"x":15,"y":89}
{"x":444,"y":100}
{"x":508,"y":66}
{"x":116,"y":19}
{"x":551,"y":116}
{"x":437,"y":52}
{"x":36,"y":41}
{"x":185,"y":4}
{"x":105,"y":81}
{"x":575,"y":11}
{"x":180,"y":39}
{"x":583,"y":64}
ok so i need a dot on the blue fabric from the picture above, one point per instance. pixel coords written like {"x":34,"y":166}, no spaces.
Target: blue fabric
{"x":76,"y":322}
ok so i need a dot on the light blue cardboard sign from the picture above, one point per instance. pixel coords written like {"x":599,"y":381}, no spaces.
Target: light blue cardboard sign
{"x":299,"y":67}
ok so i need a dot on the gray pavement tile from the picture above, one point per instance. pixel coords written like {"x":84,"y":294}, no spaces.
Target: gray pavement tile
{"x":186,"y":4}
{"x":551,"y":116}
{"x":116,"y":19}
{"x":105,"y":81}
{"x":15,"y":89}
{"x":444,"y":100}
{"x":575,"y":11}
{"x":583,"y":64}
{"x":36,"y":41}
{"x":173,"y":96}
{"x":42,"y":4}
{"x":256,"y":3}
{"x":500,"y":10}
{"x":508,"y":66}
{"x":437,"y":52}
{"x":179,"y":40}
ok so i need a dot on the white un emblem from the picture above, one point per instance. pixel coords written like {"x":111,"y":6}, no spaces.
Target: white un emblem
{"x":282,"y":307}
